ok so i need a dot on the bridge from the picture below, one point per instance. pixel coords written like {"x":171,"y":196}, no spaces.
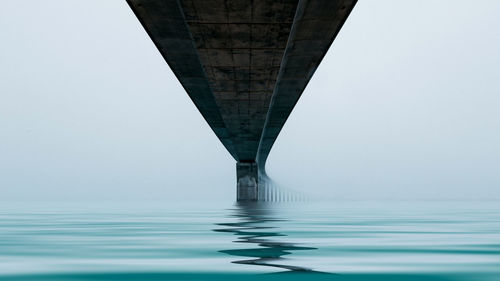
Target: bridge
{"x":244,"y":64}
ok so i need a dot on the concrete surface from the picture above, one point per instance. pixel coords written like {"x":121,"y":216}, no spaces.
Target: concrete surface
{"x":244,"y":63}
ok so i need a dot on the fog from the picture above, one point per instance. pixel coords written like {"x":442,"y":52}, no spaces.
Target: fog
{"x":405,"y":105}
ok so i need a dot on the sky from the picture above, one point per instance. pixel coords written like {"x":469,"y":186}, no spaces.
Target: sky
{"x":404,"y":106}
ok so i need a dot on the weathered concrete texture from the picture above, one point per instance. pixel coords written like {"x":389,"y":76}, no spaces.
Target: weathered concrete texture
{"x":240,"y":44}
{"x":244,"y":63}
{"x":247,"y":175}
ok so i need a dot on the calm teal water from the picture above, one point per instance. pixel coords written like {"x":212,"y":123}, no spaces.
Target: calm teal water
{"x":226,"y":241}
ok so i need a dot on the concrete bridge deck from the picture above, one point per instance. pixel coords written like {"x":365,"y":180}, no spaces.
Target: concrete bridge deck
{"x":244,"y":63}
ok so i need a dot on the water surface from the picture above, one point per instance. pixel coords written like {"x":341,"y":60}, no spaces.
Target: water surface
{"x":274,"y":241}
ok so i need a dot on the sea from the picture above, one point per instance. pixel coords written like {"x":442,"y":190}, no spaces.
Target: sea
{"x":313,"y":240}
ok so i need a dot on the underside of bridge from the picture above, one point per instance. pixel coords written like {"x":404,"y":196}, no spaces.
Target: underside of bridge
{"x":244,"y":64}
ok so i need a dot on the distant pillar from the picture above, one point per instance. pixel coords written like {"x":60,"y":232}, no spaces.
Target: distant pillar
{"x":247,"y":175}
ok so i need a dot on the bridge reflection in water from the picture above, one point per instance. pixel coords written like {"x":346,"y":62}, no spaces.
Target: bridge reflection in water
{"x":256,"y":225}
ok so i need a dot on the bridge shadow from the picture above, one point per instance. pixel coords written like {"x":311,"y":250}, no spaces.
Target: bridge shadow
{"x":256,"y":226}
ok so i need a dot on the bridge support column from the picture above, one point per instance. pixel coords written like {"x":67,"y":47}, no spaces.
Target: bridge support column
{"x":247,"y":176}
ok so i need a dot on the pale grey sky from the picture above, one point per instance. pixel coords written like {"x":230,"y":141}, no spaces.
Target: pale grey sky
{"x":405,"y":105}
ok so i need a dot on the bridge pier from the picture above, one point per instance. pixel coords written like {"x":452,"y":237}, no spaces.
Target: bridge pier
{"x":247,"y":177}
